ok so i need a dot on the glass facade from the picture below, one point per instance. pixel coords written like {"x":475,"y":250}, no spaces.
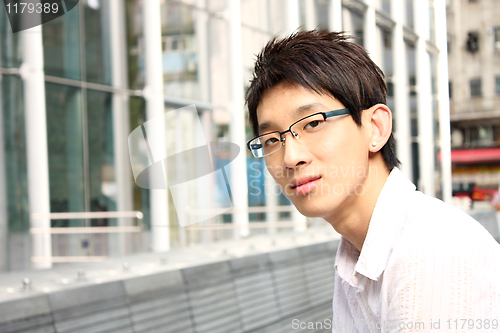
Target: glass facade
{"x":62,"y":46}
{"x":90,"y":99}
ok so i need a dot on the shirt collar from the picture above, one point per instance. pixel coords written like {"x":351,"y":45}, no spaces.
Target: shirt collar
{"x":385,"y":225}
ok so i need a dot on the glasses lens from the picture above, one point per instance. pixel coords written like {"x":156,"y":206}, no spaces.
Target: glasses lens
{"x":309,"y":127}
{"x":265,"y":145}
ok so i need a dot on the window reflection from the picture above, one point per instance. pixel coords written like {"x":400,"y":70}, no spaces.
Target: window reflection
{"x":15,"y":152}
{"x":97,"y":42}
{"x":180,"y":61}
{"x":61,"y":46}
{"x":10,"y":51}
{"x":102,"y":184}
{"x":65,"y":147}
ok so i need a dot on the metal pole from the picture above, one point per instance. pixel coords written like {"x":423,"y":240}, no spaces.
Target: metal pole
{"x":443,"y":97}
{"x":4,"y":226}
{"x":239,"y":185}
{"x":401,"y":91}
{"x":203,"y":70}
{"x":310,"y":15}
{"x":335,"y":15}
{"x":36,"y":140}
{"x":153,"y":94}
{"x":370,"y":32}
{"x":272,"y":201}
{"x":424,"y":97}
{"x":121,"y":123}
{"x":292,"y":16}
{"x":292,"y":21}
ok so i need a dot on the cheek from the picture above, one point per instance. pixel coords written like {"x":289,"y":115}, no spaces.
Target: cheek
{"x":277,"y":173}
{"x":346,"y":144}
{"x":343,"y":154}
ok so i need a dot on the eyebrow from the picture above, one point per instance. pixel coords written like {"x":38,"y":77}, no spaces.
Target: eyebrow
{"x":298,"y":112}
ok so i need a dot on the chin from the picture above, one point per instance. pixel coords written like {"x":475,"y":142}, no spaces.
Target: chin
{"x":310,"y":206}
{"x":318,"y":206}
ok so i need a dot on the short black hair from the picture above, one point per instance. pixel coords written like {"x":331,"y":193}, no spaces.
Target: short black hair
{"x":325,"y":62}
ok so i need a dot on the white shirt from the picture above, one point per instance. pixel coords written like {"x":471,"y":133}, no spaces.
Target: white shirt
{"x":425,"y":266}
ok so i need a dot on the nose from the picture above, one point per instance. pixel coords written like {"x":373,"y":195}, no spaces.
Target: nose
{"x":294,"y":153}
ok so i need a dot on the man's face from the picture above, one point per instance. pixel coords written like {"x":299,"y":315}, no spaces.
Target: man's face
{"x":331,"y":166}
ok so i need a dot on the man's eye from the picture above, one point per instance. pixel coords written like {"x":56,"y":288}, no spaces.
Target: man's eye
{"x":271,"y":141}
{"x":313,"y":124}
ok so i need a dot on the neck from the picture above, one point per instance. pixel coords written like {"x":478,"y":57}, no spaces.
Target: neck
{"x":353,"y":218}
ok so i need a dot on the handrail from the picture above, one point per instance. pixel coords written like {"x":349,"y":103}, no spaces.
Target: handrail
{"x":230,"y":210}
{"x":251,"y":225}
{"x":86,"y":215}
{"x":84,"y":230}
{"x":65,"y":259}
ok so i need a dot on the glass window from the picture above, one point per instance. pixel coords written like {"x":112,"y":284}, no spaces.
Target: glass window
{"x":432,"y":28}
{"x":137,"y":107}
{"x":322,"y":11}
{"x":473,"y":135}
{"x":101,"y":154}
{"x":386,"y":6}
{"x":415,"y":154}
{"x":457,"y":137}
{"x":10,"y":51}
{"x":473,"y":41}
{"x":135,"y":44}
{"x":97,"y":43}
{"x":218,"y":30}
{"x":481,"y":135}
{"x":475,"y":87}
{"x":390,"y":88}
{"x":15,"y":153}
{"x":496,"y":135}
{"x":387,"y":52}
{"x":433,"y":65}
{"x":65,"y":148}
{"x":497,"y":84}
{"x":61,"y":46}
{"x":497,"y":37}
{"x":353,"y":25}
{"x":412,"y":67}
{"x":409,"y":13}
{"x":180,"y":56}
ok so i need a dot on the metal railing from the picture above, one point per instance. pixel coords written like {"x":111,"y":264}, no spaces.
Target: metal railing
{"x":82,"y":230}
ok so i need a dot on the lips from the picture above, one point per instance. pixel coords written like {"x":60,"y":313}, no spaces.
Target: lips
{"x":304,"y":184}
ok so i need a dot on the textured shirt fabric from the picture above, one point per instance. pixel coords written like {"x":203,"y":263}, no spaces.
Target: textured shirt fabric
{"x":425,"y":266}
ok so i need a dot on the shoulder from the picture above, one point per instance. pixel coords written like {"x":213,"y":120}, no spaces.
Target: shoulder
{"x":432,"y":223}
{"x":442,"y":257}
{"x":434,"y":229}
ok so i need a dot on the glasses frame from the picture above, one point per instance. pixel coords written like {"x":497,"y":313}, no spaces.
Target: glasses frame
{"x":326,"y":115}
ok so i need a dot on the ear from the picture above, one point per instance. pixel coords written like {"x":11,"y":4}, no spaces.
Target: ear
{"x":380,"y":126}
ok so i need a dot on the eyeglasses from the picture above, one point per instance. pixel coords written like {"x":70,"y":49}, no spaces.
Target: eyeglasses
{"x":302,"y":130}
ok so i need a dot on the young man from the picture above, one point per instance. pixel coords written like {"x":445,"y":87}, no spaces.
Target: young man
{"x":406,"y":261}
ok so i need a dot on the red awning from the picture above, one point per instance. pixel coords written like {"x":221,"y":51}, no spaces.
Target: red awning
{"x":474,"y":156}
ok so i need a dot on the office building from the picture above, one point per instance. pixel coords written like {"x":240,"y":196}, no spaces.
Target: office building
{"x":73,"y":89}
